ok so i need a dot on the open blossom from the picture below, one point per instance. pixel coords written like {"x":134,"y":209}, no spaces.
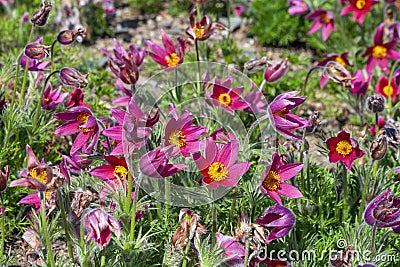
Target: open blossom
{"x":167,"y":56}
{"x":360,"y":8}
{"x":383,"y":211}
{"x":380,"y":52}
{"x":343,"y":148}
{"x":79,"y":120}
{"x":115,"y":169}
{"x":360,"y":84}
{"x":34,"y":199}
{"x":322,"y":19}
{"x":284,"y":121}
{"x":203,"y":29}
{"x":76,"y":99}
{"x":274,"y":177}
{"x":218,"y":167}
{"x":297,"y":7}
{"x":51,"y":99}
{"x":387,"y":90}
{"x":342,"y":59}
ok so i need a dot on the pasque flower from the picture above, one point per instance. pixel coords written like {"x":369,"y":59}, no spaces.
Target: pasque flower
{"x":69,"y":36}
{"x":167,"y":56}
{"x":275,"y":69}
{"x":383,"y":211}
{"x":387,"y":90}
{"x":51,"y":99}
{"x":380,"y":52}
{"x":34,"y":199}
{"x":322,"y":19}
{"x":280,"y":218}
{"x":342,"y":59}
{"x":34,"y":64}
{"x":218,"y":167}
{"x":99,"y":224}
{"x":360,"y":8}
{"x":343,"y":148}
{"x":38,"y":174}
{"x":76,"y":99}
{"x":122,"y":100}
{"x":4,"y":178}
{"x":255,"y":100}
{"x":40,"y":16}
{"x":297,"y":7}
{"x":360,"y":84}
{"x":239,"y":9}
{"x":203,"y":29}
{"x":72,"y":77}
{"x":115,"y":170}
{"x":284,"y":121}
{"x":274,"y":176}
{"x":79,"y":120}
{"x":36,"y":50}
{"x":232,"y":248}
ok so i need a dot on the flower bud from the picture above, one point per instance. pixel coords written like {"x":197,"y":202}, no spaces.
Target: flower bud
{"x":376,"y":103}
{"x":72,"y":77}
{"x":337,"y":73}
{"x":37,"y":51}
{"x":275,"y":69}
{"x":40,"y":16}
{"x":255,"y":65}
{"x":378,"y":147}
{"x":4,"y":178}
{"x":69,"y":36}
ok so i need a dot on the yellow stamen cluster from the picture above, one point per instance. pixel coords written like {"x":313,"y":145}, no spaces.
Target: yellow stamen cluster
{"x":177,"y":138}
{"x":121,"y":172}
{"x":360,"y":4}
{"x":217,"y":171}
{"x":388,"y":90}
{"x":272,"y":181}
{"x":344,"y":148}
{"x":224,"y":99}
{"x":172,"y":60}
{"x":325,"y":18}
{"x":46,"y":101}
{"x":83,"y":117}
{"x":281,"y":113}
{"x":379,"y":51}
{"x":340,"y":60}
{"x":40,"y":175}
{"x":85,"y":130}
{"x":198,"y":31}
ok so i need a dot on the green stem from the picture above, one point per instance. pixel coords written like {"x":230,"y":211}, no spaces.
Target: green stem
{"x":232,"y":209}
{"x":44,"y":226}
{"x":228,"y":14}
{"x":21,"y":96}
{"x":373,"y":240}
{"x":3,"y":215}
{"x":128,"y":194}
{"x":214,"y":224}
{"x":364,"y":194}
{"x":198,"y":69}
{"x":186,"y":252}
{"x":133,"y":212}
{"x":344,"y":193}
{"x":262,"y":84}
{"x":65,"y":224}
{"x":246,"y":252}
{"x":376,"y":123}
{"x":15,"y":82}
{"x":52,"y":54}
{"x":103,"y":260}
{"x":303,"y":91}
{"x":167,"y":198}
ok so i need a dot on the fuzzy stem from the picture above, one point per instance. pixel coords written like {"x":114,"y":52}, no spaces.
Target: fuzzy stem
{"x":344,"y":193}
{"x":246,"y":252}
{"x":303,"y":91}
{"x":364,"y":194}
{"x":232,"y":209}
{"x":214,"y":223}
{"x":65,"y":224}
{"x":186,"y":252}
{"x":15,"y":82}
{"x":52,"y":54}
{"x":3,"y":215}
{"x":263,"y":84}
{"x":167,"y":198}
{"x":133,"y":210}
{"x":373,"y":240}
{"x":128,"y":194}
{"x":21,"y":96}
{"x":44,"y":226}
{"x":376,"y":123}
{"x":198,"y":69}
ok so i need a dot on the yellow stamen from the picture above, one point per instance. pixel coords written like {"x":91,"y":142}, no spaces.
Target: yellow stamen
{"x":217,"y":171}
{"x":281,"y":113}
{"x":224,"y":99}
{"x":360,"y":4}
{"x":40,"y":175}
{"x":388,"y":90}
{"x":272,"y":181}
{"x":198,"y":31}
{"x":172,"y":60}
{"x":379,"y":51}
{"x":325,"y":18}
{"x":177,"y":138}
{"x":344,"y":148}
{"x":85,"y":130}
{"x":121,"y":172}
{"x":46,"y":101}
{"x":340,"y":60}
{"x":83,"y":117}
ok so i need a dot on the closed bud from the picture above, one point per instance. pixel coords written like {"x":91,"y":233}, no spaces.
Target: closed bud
{"x":40,"y":16}
{"x":37,"y":51}
{"x":4,"y":178}
{"x":72,"y":77}
{"x":378,"y":147}
{"x":376,"y":103}
{"x":255,"y":65}
{"x":69,"y":36}
{"x":275,"y":69}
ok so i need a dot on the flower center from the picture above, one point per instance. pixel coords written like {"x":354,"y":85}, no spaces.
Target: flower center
{"x":83,"y":117}
{"x":177,"y":138}
{"x":172,"y":60}
{"x":325,"y":18}
{"x":360,"y":4}
{"x":120,"y":171}
{"x":39,"y":175}
{"x":217,"y":171}
{"x":198,"y":31}
{"x":340,"y":60}
{"x":224,"y":99}
{"x":388,"y":90}
{"x":281,"y":113}
{"x":344,"y":148}
{"x":379,"y":51}
{"x":272,"y":181}
{"x":85,"y":130}
{"x":46,"y":101}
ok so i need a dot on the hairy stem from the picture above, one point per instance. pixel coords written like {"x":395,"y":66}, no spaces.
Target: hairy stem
{"x":44,"y":226}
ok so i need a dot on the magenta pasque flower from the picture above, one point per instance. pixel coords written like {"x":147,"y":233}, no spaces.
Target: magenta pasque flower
{"x":239,"y":9}
{"x":360,"y":8}
{"x":255,"y":100}
{"x":76,"y":99}
{"x":343,"y":148}
{"x":115,"y":170}
{"x":51,"y":99}
{"x":297,"y":7}
{"x":126,"y":98}
{"x":203,"y":29}
{"x":71,"y":77}
{"x":167,"y":56}
{"x":360,"y":85}
{"x":99,"y":224}
{"x":232,"y":249}
{"x":275,"y":69}
{"x":284,"y":121}
{"x":34,"y":64}
{"x":218,"y":167}
{"x":274,"y":177}
{"x":79,"y":120}
{"x":280,"y":218}
{"x":383,"y":88}
{"x":383,"y":211}
{"x":322,"y":19}
{"x":380,"y":52}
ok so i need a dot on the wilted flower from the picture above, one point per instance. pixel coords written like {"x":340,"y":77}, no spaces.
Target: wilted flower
{"x":40,"y":16}
{"x":383,"y":211}
{"x":380,"y":52}
{"x":343,"y":258}
{"x":79,"y":201}
{"x":342,"y":59}
{"x":343,"y":148}
{"x":167,"y":56}
{"x":69,"y":36}
{"x":115,"y":171}
{"x":99,"y":225}
{"x":387,"y":90}
{"x":322,"y":19}
{"x":232,"y":248}
{"x":378,"y":147}
{"x":274,"y":177}
{"x":254,"y":233}
{"x":219,"y":168}
{"x":201,"y":30}
{"x":275,"y":69}
{"x":36,"y":50}
{"x":4,"y":178}
{"x":376,"y":103}
{"x":72,"y":77}
{"x":337,"y":73}
{"x":283,"y":120}
{"x":359,"y":84}
{"x":76,"y":99}
{"x":297,"y":7}
{"x":51,"y":99}
{"x":360,"y":9}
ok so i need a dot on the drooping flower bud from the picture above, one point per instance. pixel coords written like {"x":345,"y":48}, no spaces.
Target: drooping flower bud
{"x":37,"y":51}
{"x":275,"y":69}
{"x":40,"y":16}
{"x":69,"y":36}
{"x":255,"y":65}
{"x":72,"y":77}
{"x":376,"y":103}
{"x":378,"y":147}
{"x":337,"y":73}
{"x":4,"y":178}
